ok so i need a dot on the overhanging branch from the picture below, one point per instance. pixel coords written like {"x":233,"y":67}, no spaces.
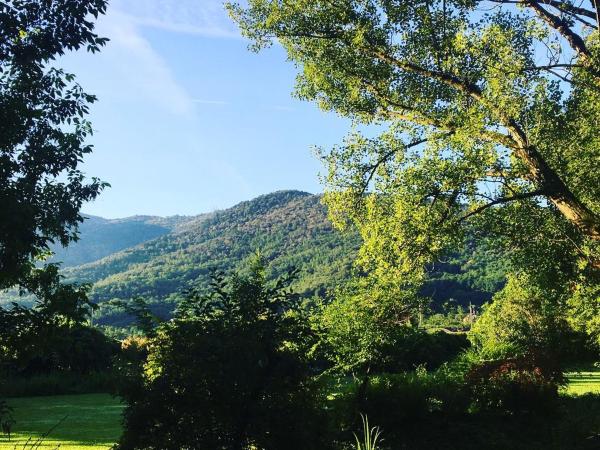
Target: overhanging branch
{"x":501,"y":200}
{"x":574,"y":40}
{"x":373,"y":168}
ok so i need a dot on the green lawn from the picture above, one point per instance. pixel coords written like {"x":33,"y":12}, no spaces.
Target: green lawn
{"x":584,"y":382}
{"x":87,"y":422}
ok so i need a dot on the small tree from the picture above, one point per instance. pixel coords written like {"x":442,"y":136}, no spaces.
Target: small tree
{"x":228,"y":372}
{"x":43,"y":133}
{"x":367,"y":328}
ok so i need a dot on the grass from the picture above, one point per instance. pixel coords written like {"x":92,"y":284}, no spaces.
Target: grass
{"x":91,"y":421}
{"x":584,"y":382}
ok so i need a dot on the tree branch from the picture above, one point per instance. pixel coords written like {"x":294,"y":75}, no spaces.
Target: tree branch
{"x":373,"y":168}
{"x":574,"y":40}
{"x":564,"y":7}
{"x":502,"y":200}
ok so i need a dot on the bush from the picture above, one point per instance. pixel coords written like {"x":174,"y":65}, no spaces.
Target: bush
{"x":228,"y":372}
{"x":368,"y":328}
{"x":516,"y":385}
{"x":397,"y":402}
{"x":42,"y":349}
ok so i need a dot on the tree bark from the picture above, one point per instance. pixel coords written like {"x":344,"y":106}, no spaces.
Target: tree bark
{"x":559,"y":193}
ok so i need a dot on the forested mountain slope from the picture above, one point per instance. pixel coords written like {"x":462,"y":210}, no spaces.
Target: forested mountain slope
{"x":100,"y":237}
{"x":289,"y":228}
{"x":158,"y":258}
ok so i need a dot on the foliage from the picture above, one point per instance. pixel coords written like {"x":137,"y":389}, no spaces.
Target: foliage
{"x":41,"y":347}
{"x":60,"y":383}
{"x":42,"y":131}
{"x":523,"y":318}
{"x":526,"y":384}
{"x":53,"y":335}
{"x":290,"y":228}
{"x":229,"y":371}
{"x":584,"y":312}
{"x":400,"y":402}
{"x":367,"y":329}
{"x":464,"y":129}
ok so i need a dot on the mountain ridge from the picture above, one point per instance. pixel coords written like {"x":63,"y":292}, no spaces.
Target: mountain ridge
{"x":290,"y":228}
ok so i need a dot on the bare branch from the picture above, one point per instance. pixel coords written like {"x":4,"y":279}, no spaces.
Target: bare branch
{"x":373,"y":168}
{"x":574,"y":40}
{"x":502,"y":200}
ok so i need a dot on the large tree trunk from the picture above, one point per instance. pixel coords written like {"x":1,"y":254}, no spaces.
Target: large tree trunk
{"x":559,"y":194}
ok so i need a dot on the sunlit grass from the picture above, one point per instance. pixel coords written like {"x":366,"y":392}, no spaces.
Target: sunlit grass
{"x":73,"y":421}
{"x":583,"y":382}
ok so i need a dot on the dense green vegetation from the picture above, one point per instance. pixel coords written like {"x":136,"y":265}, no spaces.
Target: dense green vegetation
{"x":233,"y":366}
{"x":464,"y":148}
{"x":43,"y":135}
{"x":290,"y":228}
{"x":94,"y":421}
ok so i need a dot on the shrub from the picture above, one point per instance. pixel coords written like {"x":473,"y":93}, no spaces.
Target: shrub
{"x":516,"y":385}
{"x":368,"y":328}
{"x":398,"y":402}
{"x":228,"y":372}
{"x":523,"y":318}
{"x":42,"y":349}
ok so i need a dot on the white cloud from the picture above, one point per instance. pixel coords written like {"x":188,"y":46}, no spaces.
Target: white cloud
{"x":130,"y":69}
{"x":136,"y":69}
{"x":203,"y":17}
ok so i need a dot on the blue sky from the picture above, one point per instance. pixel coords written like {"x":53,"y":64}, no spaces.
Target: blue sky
{"x":188,"y":120}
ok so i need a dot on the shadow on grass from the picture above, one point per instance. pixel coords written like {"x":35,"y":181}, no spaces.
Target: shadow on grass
{"x":74,"y":421}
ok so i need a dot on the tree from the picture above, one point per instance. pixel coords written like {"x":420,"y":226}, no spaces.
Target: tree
{"x":522,"y":320}
{"x":489,"y":112}
{"x":42,"y":131}
{"x":368,"y":329}
{"x":228,"y":372}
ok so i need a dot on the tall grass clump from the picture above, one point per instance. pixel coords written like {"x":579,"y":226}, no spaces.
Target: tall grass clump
{"x":370,"y":438}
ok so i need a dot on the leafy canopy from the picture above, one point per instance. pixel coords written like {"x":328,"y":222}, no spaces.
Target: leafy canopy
{"x":474,"y":119}
{"x":42,"y":130}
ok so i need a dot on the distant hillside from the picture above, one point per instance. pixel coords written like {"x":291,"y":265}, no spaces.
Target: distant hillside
{"x":289,"y":228}
{"x":157,"y":258}
{"x":100,"y":237}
